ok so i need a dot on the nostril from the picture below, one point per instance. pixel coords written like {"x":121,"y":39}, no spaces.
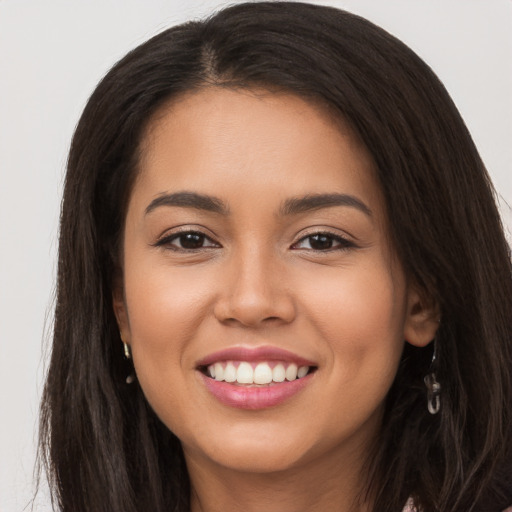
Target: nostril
{"x":251,"y":321}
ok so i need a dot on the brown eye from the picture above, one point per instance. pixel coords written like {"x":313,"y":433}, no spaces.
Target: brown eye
{"x":323,"y":242}
{"x":187,"y":241}
{"x":191,"y":240}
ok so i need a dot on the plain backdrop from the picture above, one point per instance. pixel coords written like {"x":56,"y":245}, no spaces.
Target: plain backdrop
{"x":53,"y":52}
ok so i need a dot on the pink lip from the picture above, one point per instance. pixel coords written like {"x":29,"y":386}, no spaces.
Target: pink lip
{"x":243,"y":397}
{"x":256,"y":354}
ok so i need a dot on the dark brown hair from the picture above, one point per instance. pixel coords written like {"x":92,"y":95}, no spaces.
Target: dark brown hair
{"x":103,"y":446}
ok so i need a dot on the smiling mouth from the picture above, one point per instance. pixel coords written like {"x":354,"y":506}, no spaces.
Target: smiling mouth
{"x":255,"y":374}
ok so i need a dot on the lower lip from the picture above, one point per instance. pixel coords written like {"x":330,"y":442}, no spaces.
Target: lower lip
{"x":243,"y":397}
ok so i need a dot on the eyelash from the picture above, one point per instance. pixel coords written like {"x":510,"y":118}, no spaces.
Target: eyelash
{"x":344,"y":243}
{"x":167,"y":242}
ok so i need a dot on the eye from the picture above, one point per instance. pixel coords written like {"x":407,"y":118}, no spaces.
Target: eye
{"x":323,"y":242}
{"x":187,"y":241}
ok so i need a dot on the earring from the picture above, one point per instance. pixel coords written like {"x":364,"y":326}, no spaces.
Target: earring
{"x":128,"y":355}
{"x":127,"y":352}
{"x":433,"y":386}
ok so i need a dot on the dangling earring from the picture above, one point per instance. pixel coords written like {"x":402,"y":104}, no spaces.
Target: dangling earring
{"x":128,"y":355}
{"x":433,"y":386}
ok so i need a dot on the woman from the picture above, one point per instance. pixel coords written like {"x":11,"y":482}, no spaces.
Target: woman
{"x":282,"y":283}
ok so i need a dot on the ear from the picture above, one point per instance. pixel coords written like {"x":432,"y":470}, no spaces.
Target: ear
{"x":422,"y":319}
{"x":121,"y":312}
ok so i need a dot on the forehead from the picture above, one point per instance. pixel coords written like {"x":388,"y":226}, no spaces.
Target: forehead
{"x":253,"y":140}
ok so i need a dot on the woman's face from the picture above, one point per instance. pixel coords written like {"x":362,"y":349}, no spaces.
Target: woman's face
{"x":256,"y":247}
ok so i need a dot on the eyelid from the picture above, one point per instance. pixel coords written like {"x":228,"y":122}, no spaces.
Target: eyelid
{"x":345,"y":242}
{"x":169,"y":235}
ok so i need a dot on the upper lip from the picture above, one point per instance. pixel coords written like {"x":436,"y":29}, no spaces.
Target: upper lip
{"x":254,"y":354}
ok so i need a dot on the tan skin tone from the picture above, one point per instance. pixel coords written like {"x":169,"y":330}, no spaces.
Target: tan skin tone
{"x":321,"y":282}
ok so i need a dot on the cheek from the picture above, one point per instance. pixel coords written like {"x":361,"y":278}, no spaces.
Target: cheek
{"x":163,"y":301}
{"x":360,"y":314}
{"x":166,"y":308}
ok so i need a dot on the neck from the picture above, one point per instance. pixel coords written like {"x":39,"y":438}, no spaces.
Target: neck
{"x":334,"y":485}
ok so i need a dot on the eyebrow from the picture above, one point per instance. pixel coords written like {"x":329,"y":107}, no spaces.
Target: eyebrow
{"x":291,"y":206}
{"x":312,"y":202}
{"x":189,"y":200}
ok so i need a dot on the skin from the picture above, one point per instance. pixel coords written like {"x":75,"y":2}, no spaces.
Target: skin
{"x":259,"y":280}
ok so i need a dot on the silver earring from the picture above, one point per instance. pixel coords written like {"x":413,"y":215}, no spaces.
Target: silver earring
{"x":127,"y":352}
{"x":433,"y":386}
{"x":128,"y":355}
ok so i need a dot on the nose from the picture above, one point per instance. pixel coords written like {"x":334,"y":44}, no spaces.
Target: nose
{"x":254,"y":293}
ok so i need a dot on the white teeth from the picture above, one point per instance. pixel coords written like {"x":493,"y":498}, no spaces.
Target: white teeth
{"x":262,"y":374}
{"x":291,"y":372}
{"x":302,"y":371}
{"x":244,"y":374}
{"x":219,"y":372}
{"x":230,"y":373}
{"x":278,"y":373}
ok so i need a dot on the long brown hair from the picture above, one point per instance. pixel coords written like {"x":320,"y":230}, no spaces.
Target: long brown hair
{"x":103,"y":446}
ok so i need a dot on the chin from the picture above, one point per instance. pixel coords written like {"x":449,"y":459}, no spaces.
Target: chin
{"x":250,"y":458}
{"x":252,"y":452}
